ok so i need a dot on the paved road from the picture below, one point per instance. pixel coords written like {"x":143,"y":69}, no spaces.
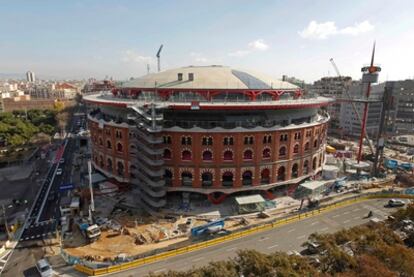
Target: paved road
{"x":45,"y":215}
{"x":285,"y":238}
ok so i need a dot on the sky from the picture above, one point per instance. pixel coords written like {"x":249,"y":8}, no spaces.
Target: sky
{"x":98,"y":38}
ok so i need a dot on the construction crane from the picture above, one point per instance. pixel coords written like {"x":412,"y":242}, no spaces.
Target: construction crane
{"x":353,"y":105}
{"x":159,"y":57}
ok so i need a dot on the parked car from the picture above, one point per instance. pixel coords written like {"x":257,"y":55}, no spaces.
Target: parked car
{"x":62,"y":160}
{"x":396,"y":203}
{"x":44,"y":268}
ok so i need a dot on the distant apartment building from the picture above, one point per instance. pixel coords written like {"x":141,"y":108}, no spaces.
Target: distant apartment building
{"x":53,"y":91}
{"x":333,"y":87}
{"x":401,"y":115}
{"x":30,"y":77}
{"x":349,"y":123}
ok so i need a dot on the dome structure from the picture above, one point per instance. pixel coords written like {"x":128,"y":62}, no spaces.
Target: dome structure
{"x":208,"y":77}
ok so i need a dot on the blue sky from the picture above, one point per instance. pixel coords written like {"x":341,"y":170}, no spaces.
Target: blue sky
{"x":81,"y":39}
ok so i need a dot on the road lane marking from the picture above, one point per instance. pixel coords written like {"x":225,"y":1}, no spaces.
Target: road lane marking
{"x":291,"y":230}
{"x":197,"y":259}
{"x":347,"y":212}
{"x":160,"y":270}
{"x":356,"y":217}
{"x":324,"y":229}
{"x":314,"y":223}
{"x":273,"y":246}
{"x":231,"y":249}
{"x":301,"y":237}
{"x":337,"y":215}
{"x":357,"y":209}
{"x":347,"y":221}
{"x":263,"y":239}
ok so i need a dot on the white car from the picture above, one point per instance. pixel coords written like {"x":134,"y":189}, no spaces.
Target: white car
{"x":62,"y":160}
{"x":396,"y":203}
{"x":59,"y":171}
{"x":44,"y":268}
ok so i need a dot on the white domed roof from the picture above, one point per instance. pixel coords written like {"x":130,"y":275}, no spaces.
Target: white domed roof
{"x":208,"y":77}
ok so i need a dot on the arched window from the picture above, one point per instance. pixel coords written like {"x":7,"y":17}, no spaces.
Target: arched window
{"x":207,"y":179}
{"x":186,"y":179}
{"x":307,"y":146}
{"x":186,"y":155}
{"x":295,"y":173}
{"x":168,"y":177}
{"x":315,"y":143}
{"x":108,"y":144}
{"x":119,"y":147}
{"x":227,"y":179}
{"x":207,"y":155}
{"x":266,"y":153}
{"x":282,"y":151}
{"x":306,"y":167}
{"x":320,"y":160}
{"x":100,"y":141}
{"x":281,"y":173}
{"x":167,"y":154}
{"x":314,"y":163}
{"x":265,"y":176}
{"x":210,"y":141}
{"x":228,"y":155}
{"x":247,"y":178}
{"x":248,"y":155}
{"x":120,"y":169}
{"x":109,"y":164}
{"x":296,"y":149}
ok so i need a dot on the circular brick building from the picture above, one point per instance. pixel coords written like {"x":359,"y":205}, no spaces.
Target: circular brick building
{"x":207,"y":132}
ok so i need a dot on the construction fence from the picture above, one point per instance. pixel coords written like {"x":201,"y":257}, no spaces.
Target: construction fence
{"x":90,"y":270}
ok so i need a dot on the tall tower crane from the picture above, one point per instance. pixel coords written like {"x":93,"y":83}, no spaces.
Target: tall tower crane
{"x":353,"y":106}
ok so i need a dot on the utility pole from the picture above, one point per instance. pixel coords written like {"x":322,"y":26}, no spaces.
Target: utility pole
{"x":92,"y":204}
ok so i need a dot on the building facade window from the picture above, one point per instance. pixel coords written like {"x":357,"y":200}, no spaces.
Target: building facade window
{"x":248,"y":155}
{"x":307,"y":146}
{"x":281,"y":173}
{"x":167,"y":154}
{"x":305,"y":167}
{"x":267,"y":139}
{"x":266,"y":153}
{"x":228,"y":141}
{"x":118,"y":134}
{"x":119,"y":147}
{"x":248,"y":140}
{"x":166,"y":139}
{"x":314,"y":163}
{"x":207,"y":141}
{"x":295,"y":171}
{"x":186,"y":179}
{"x":207,"y":155}
{"x":227,"y":179}
{"x":282,"y":151}
{"x":265,"y":176}
{"x":186,"y":141}
{"x":108,"y":144}
{"x":228,"y":155}
{"x":120,"y":169}
{"x":186,"y":155}
{"x":296,"y":149}
{"x":247,"y":178}
{"x":283,"y":137}
{"x":168,"y":177}
{"x":109,"y":165}
{"x":315,"y":143}
{"x":207,"y":179}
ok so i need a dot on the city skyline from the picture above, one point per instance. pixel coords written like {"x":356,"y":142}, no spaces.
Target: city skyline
{"x":98,"y":39}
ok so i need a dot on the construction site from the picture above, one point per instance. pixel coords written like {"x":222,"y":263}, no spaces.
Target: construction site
{"x":103,"y":223}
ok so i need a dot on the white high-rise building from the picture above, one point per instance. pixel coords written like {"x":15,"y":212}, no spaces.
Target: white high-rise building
{"x":30,"y":76}
{"x":349,"y":122}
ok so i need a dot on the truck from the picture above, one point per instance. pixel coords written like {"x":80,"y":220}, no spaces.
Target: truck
{"x":90,"y":232}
